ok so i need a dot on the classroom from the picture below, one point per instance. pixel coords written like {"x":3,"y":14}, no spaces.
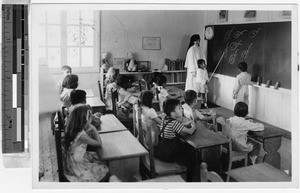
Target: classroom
{"x":121,"y":58}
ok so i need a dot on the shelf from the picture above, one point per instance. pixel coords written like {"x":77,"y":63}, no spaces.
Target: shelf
{"x":174,"y":71}
{"x":175,"y":83}
{"x":128,"y":73}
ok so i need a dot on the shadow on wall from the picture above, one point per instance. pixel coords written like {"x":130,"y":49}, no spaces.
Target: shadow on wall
{"x":183,"y":48}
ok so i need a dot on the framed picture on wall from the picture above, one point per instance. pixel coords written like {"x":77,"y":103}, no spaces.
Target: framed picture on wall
{"x":250,"y":14}
{"x":151,"y":43}
{"x":223,"y":16}
{"x":286,"y":14}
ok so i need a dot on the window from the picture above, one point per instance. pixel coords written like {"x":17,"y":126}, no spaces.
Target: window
{"x":70,"y":38}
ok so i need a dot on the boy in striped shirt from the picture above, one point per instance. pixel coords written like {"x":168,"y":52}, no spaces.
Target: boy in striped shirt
{"x":170,"y":148}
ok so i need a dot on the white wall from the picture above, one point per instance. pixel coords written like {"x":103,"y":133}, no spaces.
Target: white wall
{"x":122,"y":32}
{"x":266,"y":104}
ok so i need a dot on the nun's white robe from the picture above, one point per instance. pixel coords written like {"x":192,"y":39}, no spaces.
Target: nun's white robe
{"x":193,"y":55}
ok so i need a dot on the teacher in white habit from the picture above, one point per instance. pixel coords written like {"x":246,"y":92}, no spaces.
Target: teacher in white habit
{"x":194,"y":53}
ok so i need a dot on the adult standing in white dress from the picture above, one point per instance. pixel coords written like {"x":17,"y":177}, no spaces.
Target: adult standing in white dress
{"x":194,"y":53}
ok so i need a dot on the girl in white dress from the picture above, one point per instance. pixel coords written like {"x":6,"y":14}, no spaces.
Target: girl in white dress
{"x":149,"y":117}
{"x":201,"y":81}
{"x":81,"y":165}
{"x":240,"y":90}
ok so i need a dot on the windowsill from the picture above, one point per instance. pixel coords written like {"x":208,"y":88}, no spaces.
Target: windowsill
{"x":57,"y":71}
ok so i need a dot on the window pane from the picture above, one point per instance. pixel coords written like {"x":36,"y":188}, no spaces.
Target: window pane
{"x":42,"y":17}
{"x":53,"y":17}
{"x":42,"y":56}
{"x":53,"y":36}
{"x":72,"y":36}
{"x":42,"y":52}
{"x":73,"y":57}
{"x":54,"y":57}
{"x":42,"y":35}
{"x":87,"y":17}
{"x":73,"y":17}
{"x":87,"y":59}
{"x":86,"y":36}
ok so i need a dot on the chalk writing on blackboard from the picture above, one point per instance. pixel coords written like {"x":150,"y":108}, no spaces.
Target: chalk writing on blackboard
{"x":232,"y":57}
{"x":233,"y":46}
{"x":227,"y":35}
{"x":253,"y":33}
{"x":245,"y":53}
{"x":238,"y":33}
{"x":225,"y":51}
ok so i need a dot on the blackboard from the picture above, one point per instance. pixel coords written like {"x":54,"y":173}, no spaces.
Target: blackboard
{"x":265,"y":47}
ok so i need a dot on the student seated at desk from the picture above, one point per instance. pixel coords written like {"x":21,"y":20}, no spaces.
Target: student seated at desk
{"x":149,"y":116}
{"x":69,"y":84}
{"x":163,"y":94}
{"x":109,"y":84}
{"x":170,"y":148}
{"x":190,"y":98}
{"x":239,"y":128}
{"x":126,"y":98}
{"x":65,"y":70}
{"x":79,"y":97}
{"x":81,"y":165}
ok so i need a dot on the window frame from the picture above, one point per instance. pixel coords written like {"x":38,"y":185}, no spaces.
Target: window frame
{"x":63,"y":47}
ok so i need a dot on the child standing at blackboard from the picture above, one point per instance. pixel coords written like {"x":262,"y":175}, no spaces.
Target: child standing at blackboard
{"x":201,"y":81}
{"x":240,"y":90}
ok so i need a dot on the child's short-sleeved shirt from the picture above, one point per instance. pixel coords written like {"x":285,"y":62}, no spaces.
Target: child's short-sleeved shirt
{"x":239,"y":128}
{"x":171,"y":129}
{"x":201,"y":76}
{"x":190,"y":113}
{"x":162,"y":96}
{"x":65,"y":97}
{"x":108,"y":93}
{"x":148,"y":115}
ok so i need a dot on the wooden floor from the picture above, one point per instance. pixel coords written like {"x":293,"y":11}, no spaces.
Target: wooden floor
{"x":47,"y":154}
{"x":48,"y":163}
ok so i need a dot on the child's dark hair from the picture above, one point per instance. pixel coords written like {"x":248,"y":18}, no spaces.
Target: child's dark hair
{"x":123,"y":82}
{"x":70,"y":81}
{"x":78,"y":118}
{"x":199,"y":62}
{"x":78,"y":96}
{"x":241,"y":109}
{"x":161,"y":79}
{"x":146,"y":98}
{"x":190,"y":96}
{"x":169,"y":106}
{"x":242,"y":66}
{"x":66,"y":67}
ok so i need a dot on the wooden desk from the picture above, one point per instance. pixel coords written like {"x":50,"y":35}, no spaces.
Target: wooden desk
{"x":173,"y":178}
{"x":120,"y":145}
{"x":122,"y":151}
{"x":175,"y":90}
{"x":96,"y":104}
{"x":89,"y":93}
{"x":207,"y":143}
{"x":110,"y":123}
{"x":270,"y":137}
{"x":262,"y":172}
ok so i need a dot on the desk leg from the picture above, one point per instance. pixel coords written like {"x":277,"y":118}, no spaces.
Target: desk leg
{"x":211,"y":156}
{"x":196,"y":176}
{"x":271,"y":147}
